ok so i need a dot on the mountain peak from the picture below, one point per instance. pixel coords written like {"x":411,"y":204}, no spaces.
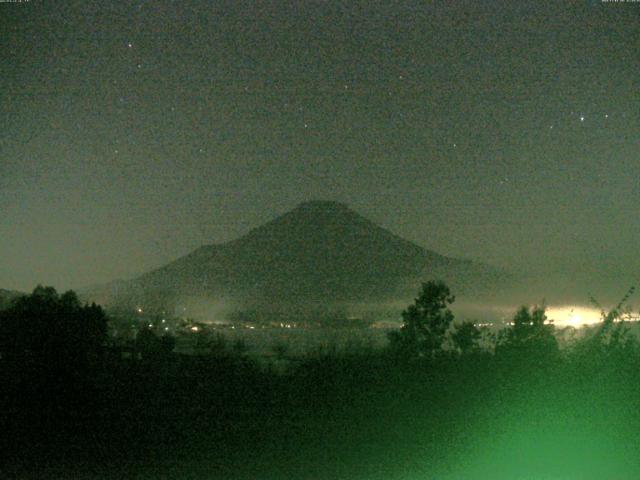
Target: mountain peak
{"x":322,"y":206}
{"x":321,"y":251}
{"x":311,"y":223}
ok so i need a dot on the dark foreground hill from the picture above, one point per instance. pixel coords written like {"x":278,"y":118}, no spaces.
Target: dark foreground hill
{"x":320,"y":253}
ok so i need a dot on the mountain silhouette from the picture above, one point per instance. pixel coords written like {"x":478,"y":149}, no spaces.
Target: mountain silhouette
{"x":321,"y":252}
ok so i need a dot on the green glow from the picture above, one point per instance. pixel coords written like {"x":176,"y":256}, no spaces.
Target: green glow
{"x":582,"y":430}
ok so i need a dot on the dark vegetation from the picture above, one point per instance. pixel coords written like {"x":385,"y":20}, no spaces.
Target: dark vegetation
{"x":444,"y":400}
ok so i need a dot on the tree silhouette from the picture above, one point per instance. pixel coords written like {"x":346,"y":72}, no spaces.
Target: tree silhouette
{"x":530,"y":336}
{"x":425,"y":323}
{"x":52,"y":330}
{"x":466,"y":337}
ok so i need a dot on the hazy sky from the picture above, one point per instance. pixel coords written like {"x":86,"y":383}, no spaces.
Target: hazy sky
{"x":132,"y":132}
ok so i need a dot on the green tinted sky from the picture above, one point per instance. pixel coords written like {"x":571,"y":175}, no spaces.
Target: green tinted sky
{"x":135,"y":131}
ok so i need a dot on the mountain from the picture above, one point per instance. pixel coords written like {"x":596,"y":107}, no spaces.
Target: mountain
{"x":320,"y":253}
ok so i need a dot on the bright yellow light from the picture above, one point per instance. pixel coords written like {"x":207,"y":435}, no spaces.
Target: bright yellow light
{"x":573,"y":316}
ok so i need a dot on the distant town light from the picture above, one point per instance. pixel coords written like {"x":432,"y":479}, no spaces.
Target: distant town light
{"x":573,"y":315}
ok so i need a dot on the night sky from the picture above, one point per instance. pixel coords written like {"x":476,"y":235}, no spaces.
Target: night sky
{"x":133,"y":132}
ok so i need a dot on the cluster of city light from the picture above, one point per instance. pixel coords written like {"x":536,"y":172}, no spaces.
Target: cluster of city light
{"x":573,"y":316}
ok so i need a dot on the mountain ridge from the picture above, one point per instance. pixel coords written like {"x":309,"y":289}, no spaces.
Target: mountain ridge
{"x":320,"y":252}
